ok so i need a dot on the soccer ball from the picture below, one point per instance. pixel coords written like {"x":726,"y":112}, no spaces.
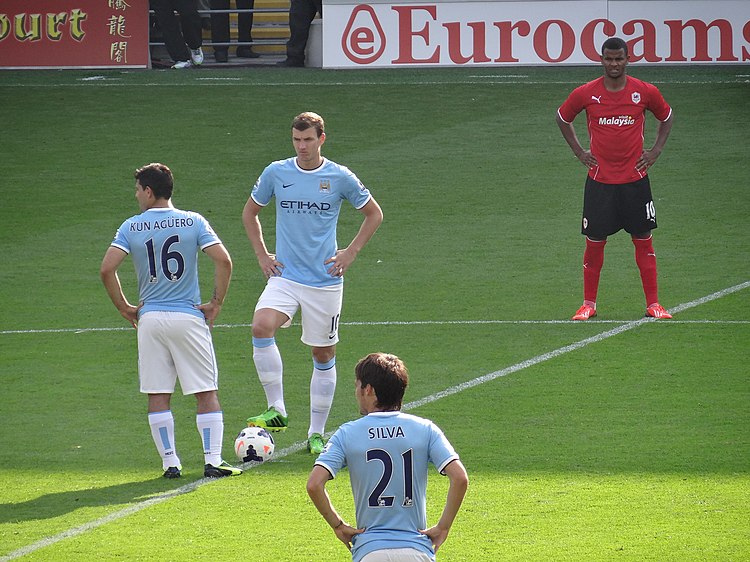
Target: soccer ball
{"x":254,"y":444}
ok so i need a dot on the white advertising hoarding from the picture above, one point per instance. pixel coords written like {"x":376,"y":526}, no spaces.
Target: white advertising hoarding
{"x":411,"y":33}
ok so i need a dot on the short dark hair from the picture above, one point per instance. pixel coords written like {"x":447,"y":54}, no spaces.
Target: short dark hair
{"x":615,"y":44}
{"x":158,"y":177}
{"x":308,"y":119}
{"x":387,"y":375}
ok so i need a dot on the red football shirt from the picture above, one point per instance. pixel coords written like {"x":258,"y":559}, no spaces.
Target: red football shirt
{"x":616,"y":124}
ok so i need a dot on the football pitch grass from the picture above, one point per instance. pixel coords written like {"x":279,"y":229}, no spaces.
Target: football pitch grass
{"x":616,"y":439}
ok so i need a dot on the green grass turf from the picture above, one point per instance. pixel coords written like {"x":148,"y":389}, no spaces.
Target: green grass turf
{"x":635,"y":447}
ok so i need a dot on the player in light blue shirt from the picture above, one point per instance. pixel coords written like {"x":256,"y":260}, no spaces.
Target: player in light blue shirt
{"x":163,"y":243}
{"x":306,"y":271}
{"x":307,"y":210}
{"x":174,"y":338}
{"x":388,"y":454}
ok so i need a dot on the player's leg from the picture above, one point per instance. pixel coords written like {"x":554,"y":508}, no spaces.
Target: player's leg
{"x":645,"y":258}
{"x":157,"y":377}
{"x":210,"y":423}
{"x":267,"y":357}
{"x":593,"y":261}
{"x":322,"y":390}
{"x":192,"y":349}
{"x":161,"y":422}
{"x":276,"y":307}
{"x":209,"y":420}
{"x":640,"y":214}
{"x":321,"y":309}
{"x":599,"y":220}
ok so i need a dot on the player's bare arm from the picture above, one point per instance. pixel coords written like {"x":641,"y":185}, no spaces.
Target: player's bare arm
{"x":223,"y":275}
{"x":108,"y":273}
{"x":267,"y":262}
{"x":316,"y":489}
{"x":344,"y":258}
{"x":459,"y":482}
{"x":648,"y":157}
{"x":583,"y":155}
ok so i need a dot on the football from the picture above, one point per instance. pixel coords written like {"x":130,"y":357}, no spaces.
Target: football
{"x":254,"y":444}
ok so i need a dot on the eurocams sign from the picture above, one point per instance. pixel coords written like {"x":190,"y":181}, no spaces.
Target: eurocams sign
{"x":74,"y":33}
{"x":413,"y":33}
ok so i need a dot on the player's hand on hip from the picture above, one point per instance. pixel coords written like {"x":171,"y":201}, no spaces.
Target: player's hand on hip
{"x":210,"y":311}
{"x":588,"y":159}
{"x":647,"y":159}
{"x":270,"y":266}
{"x":130,"y":313}
{"x":345,"y":534}
{"x":340,"y":262}
{"x":436,"y":535}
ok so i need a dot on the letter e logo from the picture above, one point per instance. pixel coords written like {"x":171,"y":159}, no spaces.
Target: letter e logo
{"x":363,"y":41}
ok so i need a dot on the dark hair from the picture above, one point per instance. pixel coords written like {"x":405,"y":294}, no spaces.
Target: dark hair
{"x":158,"y":177}
{"x":387,"y":375}
{"x":308,"y":119}
{"x":615,"y":44}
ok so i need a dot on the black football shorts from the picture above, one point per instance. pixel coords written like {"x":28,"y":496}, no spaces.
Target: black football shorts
{"x":609,"y":208}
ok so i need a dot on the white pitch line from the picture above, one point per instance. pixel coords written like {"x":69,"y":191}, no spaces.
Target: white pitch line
{"x":409,"y":406}
{"x":379,"y":323}
{"x":568,"y":348}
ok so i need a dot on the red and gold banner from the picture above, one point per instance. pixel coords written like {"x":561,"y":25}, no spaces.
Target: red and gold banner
{"x":74,"y":34}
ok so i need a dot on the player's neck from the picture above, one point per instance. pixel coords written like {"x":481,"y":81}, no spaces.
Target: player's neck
{"x":311,"y":164}
{"x":161,"y":204}
{"x":615,"y":84}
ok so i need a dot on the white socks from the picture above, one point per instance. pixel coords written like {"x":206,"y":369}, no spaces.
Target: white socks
{"x":211,"y":427}
{"x":162,"y":431}
{"x":270,"y":371}
{"x":322,"y":389}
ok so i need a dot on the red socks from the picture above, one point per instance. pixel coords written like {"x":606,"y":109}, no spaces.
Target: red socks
{"x":645,"y":258}
{"x":593,"y":259}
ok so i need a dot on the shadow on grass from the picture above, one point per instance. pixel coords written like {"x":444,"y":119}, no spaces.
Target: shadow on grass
{"x":56,"y":504}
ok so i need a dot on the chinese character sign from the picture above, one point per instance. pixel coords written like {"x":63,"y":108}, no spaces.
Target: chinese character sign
{"x":74,"y":34}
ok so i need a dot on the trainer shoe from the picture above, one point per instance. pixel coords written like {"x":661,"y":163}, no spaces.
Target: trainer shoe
{"x":657,"y":311}
{"x":247,"y":53}
{"x":584,"y":313}
{"x":173,"y":472}
{"x":182,"y":64}
{"x":315,"y":443}
{"x":196,"y":55}
{"x":271,"y":419}
{"x":224,"y":469}
{"x":291,"y":63}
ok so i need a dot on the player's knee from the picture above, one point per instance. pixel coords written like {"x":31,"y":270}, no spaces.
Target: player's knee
{"x":324,"y":354}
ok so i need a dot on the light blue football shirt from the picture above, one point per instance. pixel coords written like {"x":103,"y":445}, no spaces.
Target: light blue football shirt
{"x":388,"y":454}
{"x":164,"y":244}
{"x":308,"y":203}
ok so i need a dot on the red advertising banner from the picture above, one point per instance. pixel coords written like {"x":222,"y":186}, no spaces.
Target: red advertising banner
{"x":74,"y":34}
{"x":421,"y":33}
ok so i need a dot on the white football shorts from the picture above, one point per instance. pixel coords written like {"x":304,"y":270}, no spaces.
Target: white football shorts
{"x":397,"y":555}
{"x":175,"y":345}
{"x":320,"y":308}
